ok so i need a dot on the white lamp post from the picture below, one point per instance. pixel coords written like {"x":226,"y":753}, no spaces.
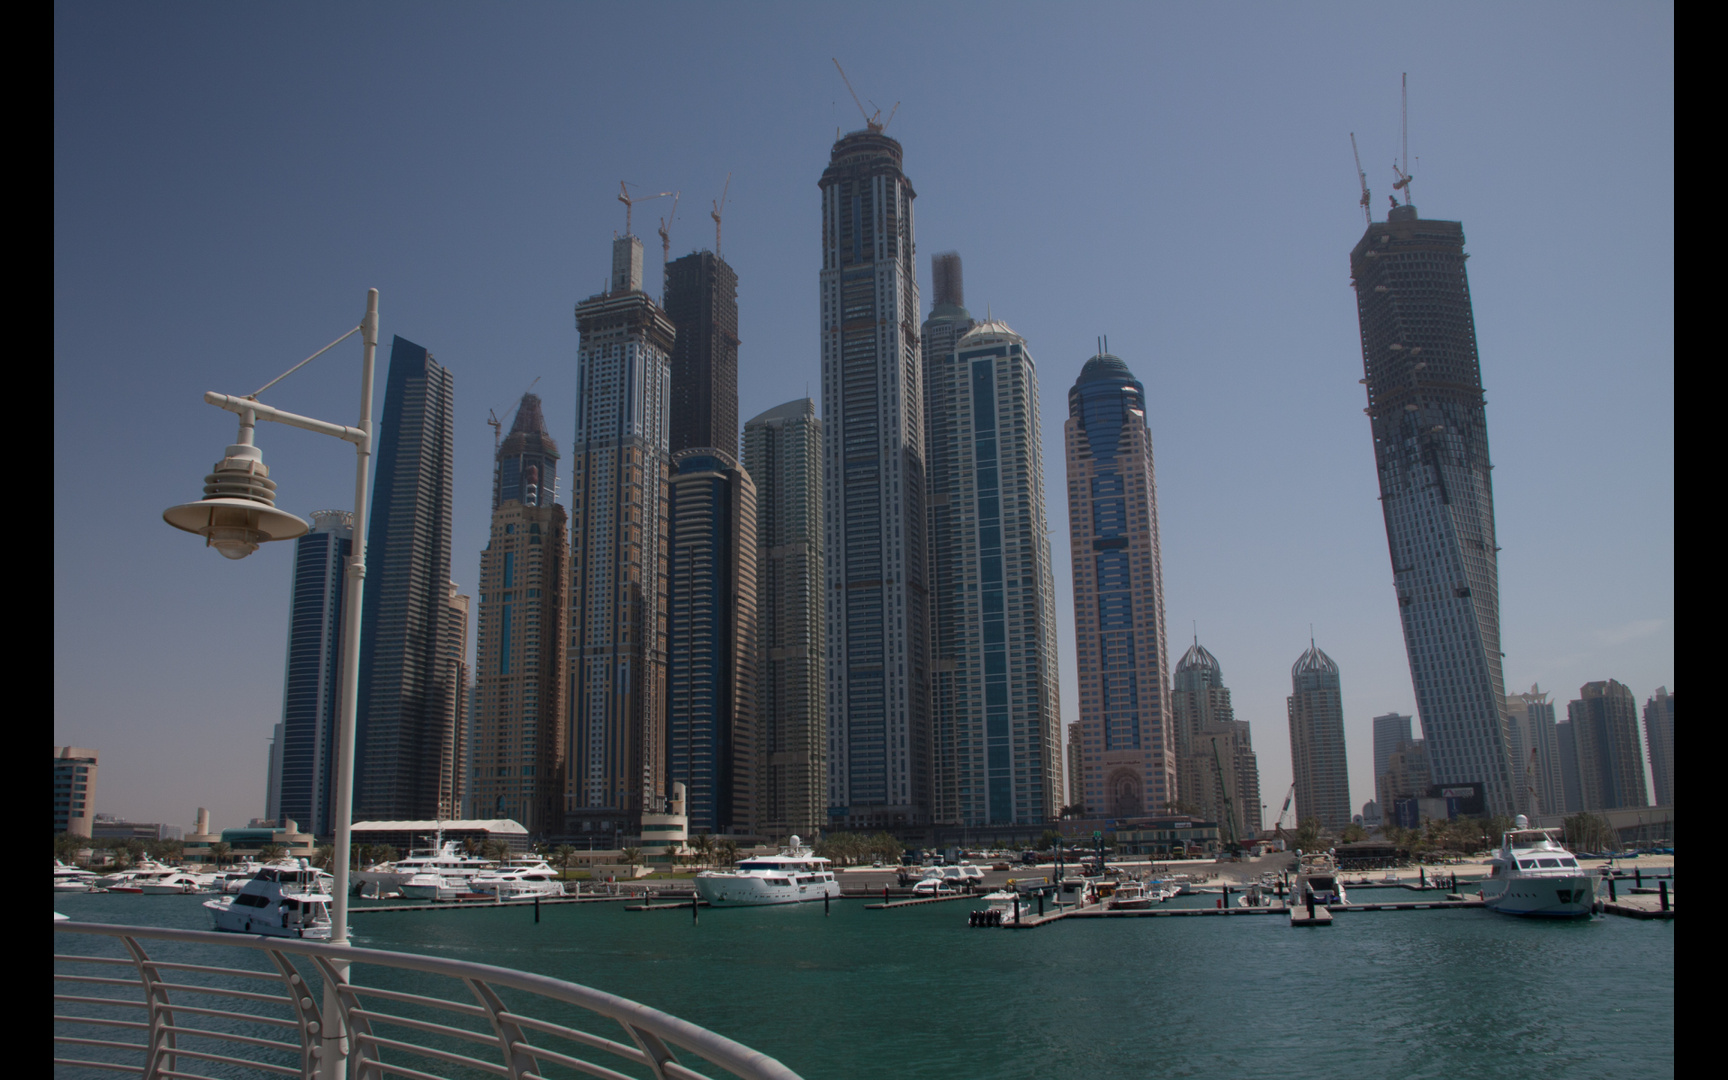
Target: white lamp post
{"x":237,"y":513}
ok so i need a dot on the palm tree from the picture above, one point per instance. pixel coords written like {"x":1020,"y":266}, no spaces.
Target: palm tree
{"x":324,"y":856}
{"x":629,"y":856}
{"x":219,"y":853}
{"x":728,"y":851}
{"x":703,"y":846}
{"x":563,"y":855}
{"x":270,"y":852}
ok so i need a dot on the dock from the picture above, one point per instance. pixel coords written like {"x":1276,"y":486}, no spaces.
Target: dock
{"x":1318,"y":915}
{"x":489,"y":902}
{"x":1640,"y":907}
{"x":920,"y":900}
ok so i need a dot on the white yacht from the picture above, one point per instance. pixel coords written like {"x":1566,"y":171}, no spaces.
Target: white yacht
{"x":147,"y":872}
{"x":445,"y":861}
{"x":793,"y":876}
{"x":281,"y":900}
{"x":1532,"y":874}
{"x":531,"y":876}
{"x":1317,"y":874}
{"x":72,"y":878}
{"x":177,"y":882}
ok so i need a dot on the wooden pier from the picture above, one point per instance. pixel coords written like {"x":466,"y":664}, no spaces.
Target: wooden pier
{"x":1640,"y":907}
{"x":921,"y":900}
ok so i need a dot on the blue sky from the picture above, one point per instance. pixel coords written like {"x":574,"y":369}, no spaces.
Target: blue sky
{"x":229,"y":180}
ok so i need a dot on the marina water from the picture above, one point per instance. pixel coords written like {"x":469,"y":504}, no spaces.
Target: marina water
{"x":914,"y":992}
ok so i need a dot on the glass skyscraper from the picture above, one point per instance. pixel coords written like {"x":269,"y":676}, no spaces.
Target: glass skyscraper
{"x":1316,"y":713}
{"x":996,"y":717}
{"x":404,"y":720}
{"x":702,"y":302}
{"x":1426,"y":412}
{"x":304,"y":753}
{"x":1127,"y":739}
{"x":1218,"y":773}
{"x":873,"y":491}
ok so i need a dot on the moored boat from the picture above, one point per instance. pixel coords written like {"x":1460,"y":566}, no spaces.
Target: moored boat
{"x":282,"y":900}
{"x":1317,"y":876}
{"x":1532,"y":874}
{"x":796,"y":875}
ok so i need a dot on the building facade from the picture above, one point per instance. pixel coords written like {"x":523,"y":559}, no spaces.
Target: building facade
{"x":1537,"y":742}
{"x":618,"y":471}
{"x":401,"y":765}
{"x":454,"y":686}
{"x":1127,"y":739}
{"x":783,"y":455}
{"x":712,"y":644}
{"x":1392,"y":733}
{"x":517,"y":753}
{"x":74,"y":790}
{"x":303,"y":752}
{"x":1604,"y":721}
{"x":1426,"y":413}
{"x":1317,"y":757}
{"x":702,"y":301}
{"x":1659,"y":735}
{"x":1218,"y":773}
{"x":873,"y":491}
{"x":996,"y":712}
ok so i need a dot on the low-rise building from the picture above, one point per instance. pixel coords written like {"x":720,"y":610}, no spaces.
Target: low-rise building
{"x":74,"y":790}
{"x":1162,"y":836}
{"x":249,"y":843}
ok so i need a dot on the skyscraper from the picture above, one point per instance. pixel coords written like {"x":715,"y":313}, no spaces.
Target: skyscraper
{"x":1218,"y":773}
{"x":702,"y":302}
{"x":711,"y":668}
{"x":1317,"y":741}
{"x":1531,"y":714}
{"x":873,"y":490}
{"x":783,"y":455}
{"x":1571,"y":785}
{"x":996,"y":714}
{"x":74,"y":790}
{"x":302,"y":772}
{"x":404,"y":721}
{"x":1605,"y":736}
{"x":1127,"y":740}
{"x":518,"y":749}
{"x":1659,"y":733}
{"x":453,"y":694}
{"x":1391,"y":733}
{"x":618,"y":470}
{"x":1425,"y":409}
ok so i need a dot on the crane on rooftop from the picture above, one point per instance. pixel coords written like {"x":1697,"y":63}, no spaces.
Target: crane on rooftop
{"x":1363,"y":178}
{"x":1404,"y":177}
{"x":628,"y":200}
{"x":870,"y":123}
{"x":665,"y":231}
{"x":719,"y":204}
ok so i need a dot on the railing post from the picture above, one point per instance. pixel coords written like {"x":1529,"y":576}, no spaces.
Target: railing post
{"x":311,"y":1021}
{"x":509,"y":1033}
{"x":161,"y":1043}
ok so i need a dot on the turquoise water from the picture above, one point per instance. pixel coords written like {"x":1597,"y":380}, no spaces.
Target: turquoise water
{"x":914,"y":992}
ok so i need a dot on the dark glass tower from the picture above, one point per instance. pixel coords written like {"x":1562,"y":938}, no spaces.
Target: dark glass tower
{"x":702,"y":302}
{"x":402,"y":726}
{"x":1425,"y":409}
{"x":873,"y":491}
{"x":312,"y":683}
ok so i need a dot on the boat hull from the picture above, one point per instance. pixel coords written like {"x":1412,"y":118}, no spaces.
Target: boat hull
{"x":1571,"y":896}
{"x":725,"y":890}
{"x":228,"y":919}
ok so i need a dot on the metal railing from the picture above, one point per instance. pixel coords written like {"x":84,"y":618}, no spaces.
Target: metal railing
{"x":267,"y":1019}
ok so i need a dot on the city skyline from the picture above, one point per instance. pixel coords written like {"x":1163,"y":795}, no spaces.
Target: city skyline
{"x":1243,"y":399}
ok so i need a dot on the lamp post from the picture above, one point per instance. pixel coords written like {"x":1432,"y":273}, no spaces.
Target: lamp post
{"x":238,"y":513}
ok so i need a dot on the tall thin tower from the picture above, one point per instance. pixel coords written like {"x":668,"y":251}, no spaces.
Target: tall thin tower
{"x":873,"y":490}
{"x":305,"y":751}
{"x":618,"y":473}
{"x":1426,"y":413}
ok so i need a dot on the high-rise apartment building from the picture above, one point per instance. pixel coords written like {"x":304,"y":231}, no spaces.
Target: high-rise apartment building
{"x":996,"y":713}
{"x":783,"y":455}
{"x":1127,"y":740}
{"x":1425,"y":409}
{"x":1659,"y":734}
{"x":1392,"y":733}
{"x":1531,"y":716}
{"x":1218,"y":773}
{"x":1076,"y":757}
{"x":517,"y":753}
{"x":401,"y":762}
{"x":702,"y":301}
{"x":453,"y":694}
{"x":303,"y":752}
{"x":74,"y":790}
{"x":873,"y":491}
{"x":1571,"y":785}
{"x":1317,"y":758}
{"x":1604,"y":721}
{"x":618,"y":472}
{"x":712,"y":645}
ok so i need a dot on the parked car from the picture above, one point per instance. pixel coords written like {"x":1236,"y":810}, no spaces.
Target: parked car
{"x":1001,"y":866}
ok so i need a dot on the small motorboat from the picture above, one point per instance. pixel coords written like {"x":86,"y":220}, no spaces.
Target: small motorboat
{"x":280,"y":901}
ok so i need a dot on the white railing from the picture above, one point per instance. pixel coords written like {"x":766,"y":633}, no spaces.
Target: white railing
{"x":168,"y":1016}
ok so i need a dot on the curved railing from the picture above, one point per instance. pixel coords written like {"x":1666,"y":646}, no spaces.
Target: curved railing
{"x":270,"y":1019}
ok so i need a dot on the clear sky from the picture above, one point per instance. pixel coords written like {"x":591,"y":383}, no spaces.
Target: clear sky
{"x":230,"y":179}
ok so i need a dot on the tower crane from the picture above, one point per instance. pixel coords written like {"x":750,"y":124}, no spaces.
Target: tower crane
{"x":628,"y":200}
{"x":720,"y":204}
{"x":1288,"y":796}
{"x":1404,"y":177}
{"x":1363,"y":178}
{"x":1230,"y":840}
{"x":870,"y":123}
{"x":665,"y":233}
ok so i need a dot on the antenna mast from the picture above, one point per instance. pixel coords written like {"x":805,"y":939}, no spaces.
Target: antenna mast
{"x":1361,"y":176}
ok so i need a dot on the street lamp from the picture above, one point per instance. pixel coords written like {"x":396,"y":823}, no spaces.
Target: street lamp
{"x":237,"y":513}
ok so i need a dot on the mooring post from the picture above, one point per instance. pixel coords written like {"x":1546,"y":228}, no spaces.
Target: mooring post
{"x":1638,"y":876}
{"x":1662,"y":887}
{"x":1613,"y":894}
{"x":1041,"y":902}
{"x":1422,"y":876}
{"x":693,"y":916}
{"x":1310,"y":905}
{"x":536,"y":909}
{"x":824,"y":901}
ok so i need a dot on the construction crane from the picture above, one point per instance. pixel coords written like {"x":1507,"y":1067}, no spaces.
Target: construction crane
{"x":869,"y":118}
{"x":625,"y":197}
{"x":1230,"y":840}
{"x":1530,"y":783}
{"x":1367,"y":213}
{"x":498,"y":425}
{"x":1404,"y":177}
{"x":1279,"y":825}
{"x":719,"y":205}
{"x":665,"y":231}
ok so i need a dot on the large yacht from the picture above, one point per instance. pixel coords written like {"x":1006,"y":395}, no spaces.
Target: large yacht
{"x":284,"y":899}
{"x":72,"y":878}
{"x":1532,"y":874}
{"x":1317,"y":874}
{"x":793,"y":876}
{"x":528,"y":876}
{"x":444,"y":861}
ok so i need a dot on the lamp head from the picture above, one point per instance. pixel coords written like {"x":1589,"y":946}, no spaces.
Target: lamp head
{"x":238,"y":511}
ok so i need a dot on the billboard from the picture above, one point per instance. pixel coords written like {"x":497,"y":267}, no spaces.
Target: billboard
{"x":1462,"y":800}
